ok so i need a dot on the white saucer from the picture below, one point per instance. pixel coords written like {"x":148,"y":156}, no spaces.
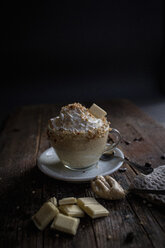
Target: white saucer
{"x":49,"y":164}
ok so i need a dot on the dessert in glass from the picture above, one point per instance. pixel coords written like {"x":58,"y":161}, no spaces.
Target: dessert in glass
{"x":79,"y":135}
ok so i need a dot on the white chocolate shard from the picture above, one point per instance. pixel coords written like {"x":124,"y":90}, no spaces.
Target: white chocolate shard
{"x":96,"y":211}
{"x":53,"y":200}
{"x":67,"y":200}
{"x":86,"y":201}
{"x":107,"y":188}
{"x":71,"y":210}
{"x":92,"y":207}
{"x":45,"y":215}
{"x":65,"y":224}
{"x":97,"y":111}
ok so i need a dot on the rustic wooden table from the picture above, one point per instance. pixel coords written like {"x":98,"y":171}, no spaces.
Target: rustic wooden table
{"x":23,"y":188}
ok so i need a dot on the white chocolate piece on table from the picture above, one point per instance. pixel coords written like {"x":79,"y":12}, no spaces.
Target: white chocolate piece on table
{"x":65,"y":224}
{"x":67,"y":200}
{"x":97,"y":111}
{"x":71,"y":210}
{"x":53,"y":200}
{"x":45,"y":215}
{"x":96,"y":211}
{"x":86,"y":201}
{"x":92,"y":207}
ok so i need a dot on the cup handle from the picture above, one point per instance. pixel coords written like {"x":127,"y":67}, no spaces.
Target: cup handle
{"x":109,"y":147}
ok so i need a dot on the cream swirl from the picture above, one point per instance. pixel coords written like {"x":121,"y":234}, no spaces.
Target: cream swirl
{"x":77,"y":118}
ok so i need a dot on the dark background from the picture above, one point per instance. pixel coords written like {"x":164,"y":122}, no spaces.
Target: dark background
{"x":63,"y":52}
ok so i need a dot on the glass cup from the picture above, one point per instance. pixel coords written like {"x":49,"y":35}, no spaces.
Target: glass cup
{"x":78,"y":152}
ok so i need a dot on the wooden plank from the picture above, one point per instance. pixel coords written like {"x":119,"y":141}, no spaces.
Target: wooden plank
{"x":18,"y":171}
{"x":138,"y":131}
{"x":144,"y":137}
{"x":142,"y":211}
{"x":118,"y":225}
{"x":137,"y":138}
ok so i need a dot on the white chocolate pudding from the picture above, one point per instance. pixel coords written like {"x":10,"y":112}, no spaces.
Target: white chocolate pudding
{"x":78,"y":136}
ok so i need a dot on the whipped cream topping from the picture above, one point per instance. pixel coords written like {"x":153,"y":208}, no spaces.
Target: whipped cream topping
{"x":76,"y":118}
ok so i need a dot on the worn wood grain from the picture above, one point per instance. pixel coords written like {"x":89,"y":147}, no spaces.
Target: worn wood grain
{"x":23,"y":188}
{"x":17,"y":174}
